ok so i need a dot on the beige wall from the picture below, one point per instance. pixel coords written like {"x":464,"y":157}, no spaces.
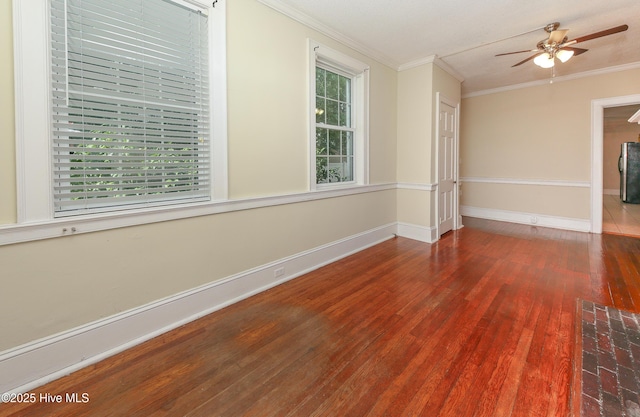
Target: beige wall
{"x":7,"y":125}
{"x":46,"y":290}
{"x":268,"y":130}
{"x":616,"y":132}
{"x":415,"y":105}
{"x":536,"y":133}
{"x":418,"y":89}
{"x":449,"y":88}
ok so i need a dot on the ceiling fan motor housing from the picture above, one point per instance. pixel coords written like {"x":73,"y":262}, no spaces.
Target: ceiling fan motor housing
{"x":551,"y":27}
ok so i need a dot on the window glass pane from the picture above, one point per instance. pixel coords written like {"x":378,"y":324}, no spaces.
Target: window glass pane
{"x":345,"y":89}
{"x":332,"y":112}
{"x":347,"y":143}
{"x":334,"y":142}
{"x":344,"y":115}
{"x":347,"y":168}
{"x":334,"y":169}
{"x":333,"y":87}
{"x":321,"y":141}
{"x":321,"y":170}
{"x":320,"y":82}
{"x":321,"y":111}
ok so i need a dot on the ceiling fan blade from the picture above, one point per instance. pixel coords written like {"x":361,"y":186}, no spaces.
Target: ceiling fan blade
{"x":600,"y":34}
{"x":557,"y":36}
{"x":576,"y":51}
{"x":517,"y":52}
{"x":525,"y":60}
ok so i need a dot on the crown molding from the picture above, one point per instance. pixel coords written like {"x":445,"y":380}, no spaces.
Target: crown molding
{"x":436,"y":60}
{"x":312,"y":23}
{"x":431,"y":59}
{"x":592,"y":73}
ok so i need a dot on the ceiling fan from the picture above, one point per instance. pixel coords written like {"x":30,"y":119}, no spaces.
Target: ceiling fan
{"x":557,"y":45}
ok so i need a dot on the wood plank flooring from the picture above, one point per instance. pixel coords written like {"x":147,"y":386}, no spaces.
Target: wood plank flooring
{"x":481,"y":323}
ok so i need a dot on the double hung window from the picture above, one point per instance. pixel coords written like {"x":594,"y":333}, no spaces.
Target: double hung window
{"x":334,"y":127}
{"x":339,"y":130}
{"x":130,"y":104}
{"x":120,"y":107}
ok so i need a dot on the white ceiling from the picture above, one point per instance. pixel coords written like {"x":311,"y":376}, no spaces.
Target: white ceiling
{"x":467,"y":34}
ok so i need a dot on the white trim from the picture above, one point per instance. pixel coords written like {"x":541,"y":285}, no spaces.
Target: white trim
{"x":324,"y":56}
{"x":31,"y":365}
{"x":417,"y":186}
{"x":433,"y":59}
{"x":617,"y":68}
{"x":597,"y":151}
{"x":421,"y":233}
{"x":218,"y":97}
{"x":33,"y":114}
{"x":312,"y":23}
{"x":195,"y":5}
{"x":17,"y":233}
{"x":440,"y":98}
{"x":611,"y":191}
{"x":519,"y":181}
{"x":31,"y":80}
{"x":534,"y":219}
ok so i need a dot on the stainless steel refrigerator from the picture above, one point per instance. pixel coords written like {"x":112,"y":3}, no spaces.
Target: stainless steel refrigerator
{"x":629,"y":167}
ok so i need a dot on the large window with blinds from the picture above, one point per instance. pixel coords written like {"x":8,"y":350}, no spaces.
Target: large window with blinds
{"x":129,"y":104}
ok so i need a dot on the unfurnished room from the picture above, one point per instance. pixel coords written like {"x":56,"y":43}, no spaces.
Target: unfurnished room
{"x":304,"y":208}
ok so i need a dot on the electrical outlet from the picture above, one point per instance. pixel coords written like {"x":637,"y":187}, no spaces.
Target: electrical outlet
{"x":278,"y":272}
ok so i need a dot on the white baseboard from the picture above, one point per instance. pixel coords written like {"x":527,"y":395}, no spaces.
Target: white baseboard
{"x":581,"y":225}
{"x":415,"y":232}
{"x":611,"y":191}
{"x":31,"y":365}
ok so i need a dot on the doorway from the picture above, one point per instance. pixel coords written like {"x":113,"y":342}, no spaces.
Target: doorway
{"x":597,"y":151}
{"x":618,"y":217}
{"x":447,"y":147}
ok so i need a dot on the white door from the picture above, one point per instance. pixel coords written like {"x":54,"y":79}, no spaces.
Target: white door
{"x":447,"y":184}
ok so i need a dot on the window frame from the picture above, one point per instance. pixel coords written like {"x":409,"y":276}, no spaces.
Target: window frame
{"x":327,"y":58}
{"x":34,"y":150}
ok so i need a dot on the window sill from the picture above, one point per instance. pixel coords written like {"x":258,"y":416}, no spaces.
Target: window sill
{"x":17,"y":233}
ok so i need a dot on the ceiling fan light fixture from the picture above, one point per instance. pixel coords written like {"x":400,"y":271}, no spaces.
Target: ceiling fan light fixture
{"x":564,"y":55}
{"x":544,"y":60}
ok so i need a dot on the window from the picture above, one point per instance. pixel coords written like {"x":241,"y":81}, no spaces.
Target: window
{"x":129,"y":104}
{"x":339,"y":89}
{"x":334,"y":130}
{"x":126,"y":122}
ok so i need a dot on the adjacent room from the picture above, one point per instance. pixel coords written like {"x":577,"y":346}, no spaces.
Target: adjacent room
{"x":284,"y":207}
{"x":621,"y":213}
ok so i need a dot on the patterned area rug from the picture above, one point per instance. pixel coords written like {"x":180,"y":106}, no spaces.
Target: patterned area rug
{"x":610,"y":363}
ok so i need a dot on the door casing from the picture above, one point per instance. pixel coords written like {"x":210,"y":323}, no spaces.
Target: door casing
{"x":454,"y":158}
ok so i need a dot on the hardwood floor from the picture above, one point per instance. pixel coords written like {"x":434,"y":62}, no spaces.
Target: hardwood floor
{"x":481,"y":323}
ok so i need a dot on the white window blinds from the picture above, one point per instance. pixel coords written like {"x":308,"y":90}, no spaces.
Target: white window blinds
{"x":130,"y":100}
